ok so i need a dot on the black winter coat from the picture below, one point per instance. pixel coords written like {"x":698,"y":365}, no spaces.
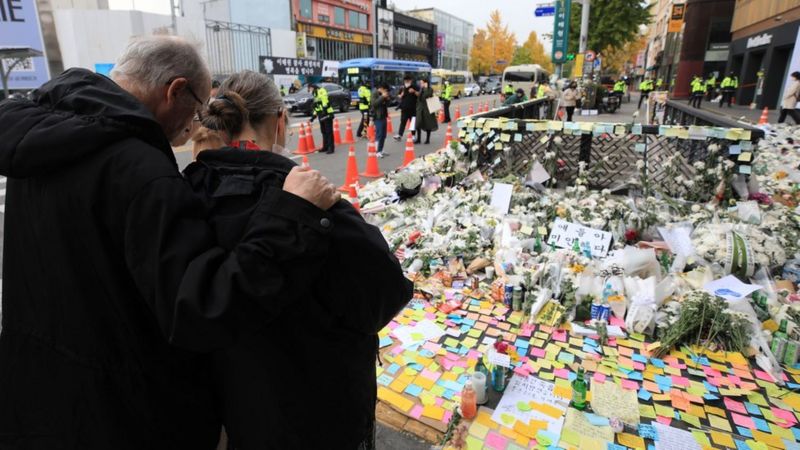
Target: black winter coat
{"x":307,"y":379}
{"x":115,"y":287}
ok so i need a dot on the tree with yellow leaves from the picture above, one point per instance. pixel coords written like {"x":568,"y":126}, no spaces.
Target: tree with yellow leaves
{"x":614,"y":59}
{"x":538,"y":55}
{"x":490,"y":45}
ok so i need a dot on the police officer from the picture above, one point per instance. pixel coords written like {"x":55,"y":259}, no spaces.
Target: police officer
{"x":324,"y":112}
{"x":541,"y":91}
{"x":364,"y":98}
{"x":711,"y":85}
{"x":508,"y":91}
{"x":446,"y":97}
{"x":728,"y":86}
{"x":645,"y":88}
{"x":660,"y":84}
{"x":619,"y":89}
{"x":698,"y":91}
{"x":283,"y":91}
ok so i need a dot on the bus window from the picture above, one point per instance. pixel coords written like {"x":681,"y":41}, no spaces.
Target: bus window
{"x":543,"y":78}
{"x":352,"y":81}
{"x":435,"y":80}
{"x":511,"y":77}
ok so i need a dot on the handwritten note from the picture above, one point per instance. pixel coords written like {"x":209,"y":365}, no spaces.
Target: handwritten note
{"x":610,"y":400}
{"x":670,"y":438}
{"x":545,"y":405}
{"x":577,"y":424}
{"x":501,"y":197}
{"x":564,"y":233}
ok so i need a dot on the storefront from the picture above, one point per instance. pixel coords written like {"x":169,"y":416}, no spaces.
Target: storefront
{"x":770,"y":51}
{"x":335,"y":29}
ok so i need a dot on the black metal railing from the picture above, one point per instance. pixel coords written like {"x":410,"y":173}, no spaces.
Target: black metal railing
{"x":679,"y":113}
{"x":532,"y":109}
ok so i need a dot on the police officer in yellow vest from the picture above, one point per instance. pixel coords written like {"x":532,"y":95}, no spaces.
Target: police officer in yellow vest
{"x":698,"y":91}
{"x":541,"y":91}
{"x":728,"y":86}
{"x":508,"y":91}
{"x":446,"y":97}
{"x":619,"y":89}
{"x":324,"y":112}
{"x":711,"y":86}
{"x":660,"y":84}
{"x":364,"y":98}
{"x":645,"y":88}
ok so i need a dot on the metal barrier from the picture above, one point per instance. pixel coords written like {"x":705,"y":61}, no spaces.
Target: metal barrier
{"x":531,"y":109}
{"x":234,"y":47}
{"x":679,"y":113}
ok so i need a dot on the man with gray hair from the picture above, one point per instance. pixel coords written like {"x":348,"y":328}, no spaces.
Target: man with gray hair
{"x":115,"y":285}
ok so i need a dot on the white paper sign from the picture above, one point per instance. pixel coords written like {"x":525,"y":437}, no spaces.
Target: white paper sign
{"x":670,"y":438}
{"x":526,"y":389}
{"x":730,"y":288}
{"x":425,"y":330}
{"x":678,"y":239}
{"x":499,"y":359}
{"x":538,"y":174}
{"x":501,"y":197}
{"x":564,"y":233}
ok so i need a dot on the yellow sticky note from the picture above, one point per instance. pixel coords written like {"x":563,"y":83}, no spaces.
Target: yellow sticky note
{"x":547,"y":410}
{"x":486,"y":419}
{"x":556,"y":125}
{"x":395,"y":399}
{"x":701,"y":438}
{"x":433,"y":412}
{"x":745,"y":156}
{"x":590,"y":443}
{"x":690,"y":419}
{"x":630,"y":440}
{"x":478,"y":430}
{"x":647,"y":411}
{"x":723,"y":439}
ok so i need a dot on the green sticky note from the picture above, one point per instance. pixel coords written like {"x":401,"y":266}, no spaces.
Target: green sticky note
{"x":474,"y":443}
{"x":417,"y":336}
{"x":507,"y":419}
{"x":451,"y":342}
{"x":523,"y":406}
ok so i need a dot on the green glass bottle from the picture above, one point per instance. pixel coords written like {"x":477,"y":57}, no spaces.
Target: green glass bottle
{"x":576,"y":246}
{"x":779,"y":340}
{"x":537,"y":246}
{"x":579,"y":390}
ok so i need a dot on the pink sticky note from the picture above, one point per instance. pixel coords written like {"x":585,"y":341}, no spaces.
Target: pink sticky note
{"x":430,"y":375}
{"x":538,"y":352}
{"x":522,"y":370}
{"x":392,"y":325}
{"x":680,"y":381}
{"x":785,"y":415}
{"x":612,"y":342}
{"x":473,"y":354}
{"x":416,"y":411}
{"x":764,"y":375}
{"x":616,"y":322}
{"x":452,"y":356}
{"x":630,"y":385}
{"x":447,"y":364}
{"x":664,"y":420}
{"x":638,"y":366}
{"x":743,"y":421}
{"x":599,"y":377}
{"x":733,"y":405}
{"x":439,"y":401}
{"x":560,"y":336}
{"x":561,"y":373}
{"x":711,"y":372}
{"x":496,"y":441}
{"x":447,"y":415}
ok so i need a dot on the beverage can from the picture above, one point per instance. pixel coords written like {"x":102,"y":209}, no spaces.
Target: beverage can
{"x":516,"y":298}
{"x":791,"y":353}
{"x":605,"y":312}
{"x":778,"y":347}
{"x":508,"y":298}
{"x":594,"y":313}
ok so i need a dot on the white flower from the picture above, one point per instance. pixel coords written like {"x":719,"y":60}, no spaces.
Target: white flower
{"x":695,"y":208}
{"x":699,"y":165}
{"x":713,"y":148}
{"x":640,"y":164}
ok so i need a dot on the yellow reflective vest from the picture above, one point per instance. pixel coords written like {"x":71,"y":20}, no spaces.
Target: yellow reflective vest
{"x":364,"y":97}
{"x":447,"y":92}
{"x":322,"y":106}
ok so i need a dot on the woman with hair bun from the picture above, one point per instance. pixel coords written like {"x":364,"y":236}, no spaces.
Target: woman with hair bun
{"x":307,"y":363}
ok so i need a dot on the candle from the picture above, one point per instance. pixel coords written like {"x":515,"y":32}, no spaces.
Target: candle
{"x":479,"y":384}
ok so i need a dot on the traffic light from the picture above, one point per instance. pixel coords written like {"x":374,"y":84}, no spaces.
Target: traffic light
{"x":570,"y":56}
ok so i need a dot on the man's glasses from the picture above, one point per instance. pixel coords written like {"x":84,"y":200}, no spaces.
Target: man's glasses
{"x":198,"y":115}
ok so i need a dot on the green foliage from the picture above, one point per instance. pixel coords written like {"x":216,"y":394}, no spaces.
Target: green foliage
{"x":522,"y":55}
{"x":612,"y":23}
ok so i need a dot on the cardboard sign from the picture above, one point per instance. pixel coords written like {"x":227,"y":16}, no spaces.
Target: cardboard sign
{"x":564,"y":233}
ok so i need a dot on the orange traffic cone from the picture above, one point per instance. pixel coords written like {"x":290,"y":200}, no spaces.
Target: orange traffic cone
{"x":409,"y":155}
{"x":471,"y":109}
{"x":448,"y":136}
{"x":764,"y":116}
{"x":353,"y":194}
{"x":302,"y":148}
{"x":560,"y":114}
{"x":389,"y":127}
{"x":337,"y":135}
{"x":371,"y":132}
{"x":312,"y":147}
{"x":372,"y":169}
{"x":458,"y":113}
{"x":440,"y":117}
{"x":351,"y":176}
{"x":306,"y":165}
{"x":348,"y":133}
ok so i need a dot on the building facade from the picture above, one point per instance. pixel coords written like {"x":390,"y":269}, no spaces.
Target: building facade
{"x":333,"y":29}
{"x":453,"y":37}
{"x":766,"y":39}
{"x":404,"y":37}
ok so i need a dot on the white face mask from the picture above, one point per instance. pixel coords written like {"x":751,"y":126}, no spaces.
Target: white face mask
{"x":408,"y":84}
{"x":276,"y":147}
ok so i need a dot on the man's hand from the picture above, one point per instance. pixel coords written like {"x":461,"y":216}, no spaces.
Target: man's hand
{"x":312,"y":186}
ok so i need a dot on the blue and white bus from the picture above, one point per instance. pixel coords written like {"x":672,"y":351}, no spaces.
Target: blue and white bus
{"x":377,"y":71}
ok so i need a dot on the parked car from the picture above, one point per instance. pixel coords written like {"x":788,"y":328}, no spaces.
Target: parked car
{"x":492,"y":86}
{"x":303,"y":102}
{"x":472,"y":89}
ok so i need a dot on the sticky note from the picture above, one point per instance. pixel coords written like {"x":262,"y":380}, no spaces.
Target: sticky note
{"x":395,"y":399}
{"x":433,"y":412}
{"x":495,"y":440}
{"x":630,"y":440}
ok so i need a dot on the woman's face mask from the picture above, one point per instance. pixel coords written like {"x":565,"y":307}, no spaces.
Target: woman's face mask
{"x":280,"y":136}
{"x":408,"y":84}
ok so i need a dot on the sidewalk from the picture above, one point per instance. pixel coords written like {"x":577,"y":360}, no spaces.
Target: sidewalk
{"x":741,"y":112}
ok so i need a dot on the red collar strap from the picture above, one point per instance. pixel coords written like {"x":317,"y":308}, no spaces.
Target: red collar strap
{"x":244,"y":145}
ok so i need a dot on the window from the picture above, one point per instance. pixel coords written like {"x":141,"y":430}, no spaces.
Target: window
{"x":352,"y":19}
{"x":305,"y":8}
{"x":520,"y":76}
{"x":362,"y":21}
{"x":323,"y":18}
{"x":338,"y":16}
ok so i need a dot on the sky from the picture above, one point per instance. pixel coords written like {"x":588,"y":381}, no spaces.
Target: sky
{"x":517,"y":14}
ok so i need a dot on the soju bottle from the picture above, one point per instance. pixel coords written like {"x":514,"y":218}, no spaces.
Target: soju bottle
{"x":576,"y":246}
{"x":537,"y":246}
{"x":579,"y":389}
{"x":779,"y":340}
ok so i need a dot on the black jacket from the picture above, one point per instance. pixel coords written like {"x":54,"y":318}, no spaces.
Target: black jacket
{"x":115,"y":287}
{"x":307,"y":379}
{"x":408,"y":101}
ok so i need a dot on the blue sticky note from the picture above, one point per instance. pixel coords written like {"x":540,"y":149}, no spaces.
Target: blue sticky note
{"x":645,"y":394}
{"x":416,"y":366}
{"x":589,"y":349}
{"x":734,"y":150}
{"x":796,"y":432}
{"x":791,"y":445}
{"x":425,"y":353}
{"x":448,"y":394}
{"x":651,"y":447}
{"x":710,"y":397}
{"x":384,"y":379}
{"x":663,"y":380}
{"x":465,"y":328}
{"x":745,"y":432}
{"x":657,"y":363}
{"x":752,"y":408}
{"x":594,"y":419}
{"x":522,"y":343}
{"x":635,"y":376}
{"x":761,"y":424}
{"x":590,"y":341}
{"x":648,"y":431}
{"x":393,"y":369}
{"x":613,"y":446}
{"x":746,"y":170}
{"x":639,"y":358}
{"x":741,"y":445}
{"x":710,"y":387}
{"x":385,"y":342}
{"x":566,"y":358}
{"x":413,"y":389}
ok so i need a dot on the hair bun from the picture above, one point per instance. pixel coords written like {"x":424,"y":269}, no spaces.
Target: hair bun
{"x":227,"y":112}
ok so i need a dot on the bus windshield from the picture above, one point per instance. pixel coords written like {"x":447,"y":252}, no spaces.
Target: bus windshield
{"x":519,"y":76}
{"x":351,"y":78}
{"x":436,"y":80}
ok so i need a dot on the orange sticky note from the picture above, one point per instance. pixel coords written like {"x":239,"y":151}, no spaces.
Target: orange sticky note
{"x":395,"y":399}
{"x":547,"y":410}
{"x":433,"y":411}
{"x":630,"y":440}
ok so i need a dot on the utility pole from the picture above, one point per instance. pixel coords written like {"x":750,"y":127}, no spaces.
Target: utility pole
{"x":174,"y":17}
{"x":584,"y":26}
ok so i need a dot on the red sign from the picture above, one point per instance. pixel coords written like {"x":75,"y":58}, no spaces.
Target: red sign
{"x":439,"y":41}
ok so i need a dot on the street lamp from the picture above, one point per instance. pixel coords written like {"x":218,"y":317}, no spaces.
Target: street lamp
{"x":16,"y":55}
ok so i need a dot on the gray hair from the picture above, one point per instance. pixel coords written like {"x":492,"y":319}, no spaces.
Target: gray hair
{"x":149,"y":62}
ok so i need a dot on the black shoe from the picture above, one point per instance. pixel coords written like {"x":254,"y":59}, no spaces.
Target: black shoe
{"x":416,"y":142}
{"x":427,"y":142}
{"x":329,"y":152}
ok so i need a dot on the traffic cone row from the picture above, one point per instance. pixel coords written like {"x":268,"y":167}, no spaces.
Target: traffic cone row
{"x":348,"y":133}
{"x":371,"y":132}
{"x":372,"y":170}
{"x":337,"y":135}
{"x":458,"y":113}
{"x":306,"y":165}
{"x":471,"y":109}
{"x":409,"y":154}
{"x":764,"y":119}
{"x":351,"y":176}
{"x":353,"y":194}
{"x":311,"y":146}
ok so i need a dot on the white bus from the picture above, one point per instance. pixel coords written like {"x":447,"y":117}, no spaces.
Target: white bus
{"x":524,"y":77}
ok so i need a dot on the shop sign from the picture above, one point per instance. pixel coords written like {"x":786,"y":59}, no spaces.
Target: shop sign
{"x":758,"y":41}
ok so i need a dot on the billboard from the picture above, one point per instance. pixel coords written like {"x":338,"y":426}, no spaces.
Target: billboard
{"x":274,"y":65}
{"x":19,"y":27}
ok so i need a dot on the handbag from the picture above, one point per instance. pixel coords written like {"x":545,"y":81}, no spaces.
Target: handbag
{"x":434,"y":104}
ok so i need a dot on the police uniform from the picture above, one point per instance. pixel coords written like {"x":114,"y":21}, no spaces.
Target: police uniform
{"x":364,"y":98}
{"x":698,"y":92}
{"x":645,"y":88}
{"x":324,"y":112}
{"x":447,"y":97}
{"x":728,"y":86}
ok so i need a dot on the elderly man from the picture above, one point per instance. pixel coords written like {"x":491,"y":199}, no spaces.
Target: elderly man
{"x":114,"y":284}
